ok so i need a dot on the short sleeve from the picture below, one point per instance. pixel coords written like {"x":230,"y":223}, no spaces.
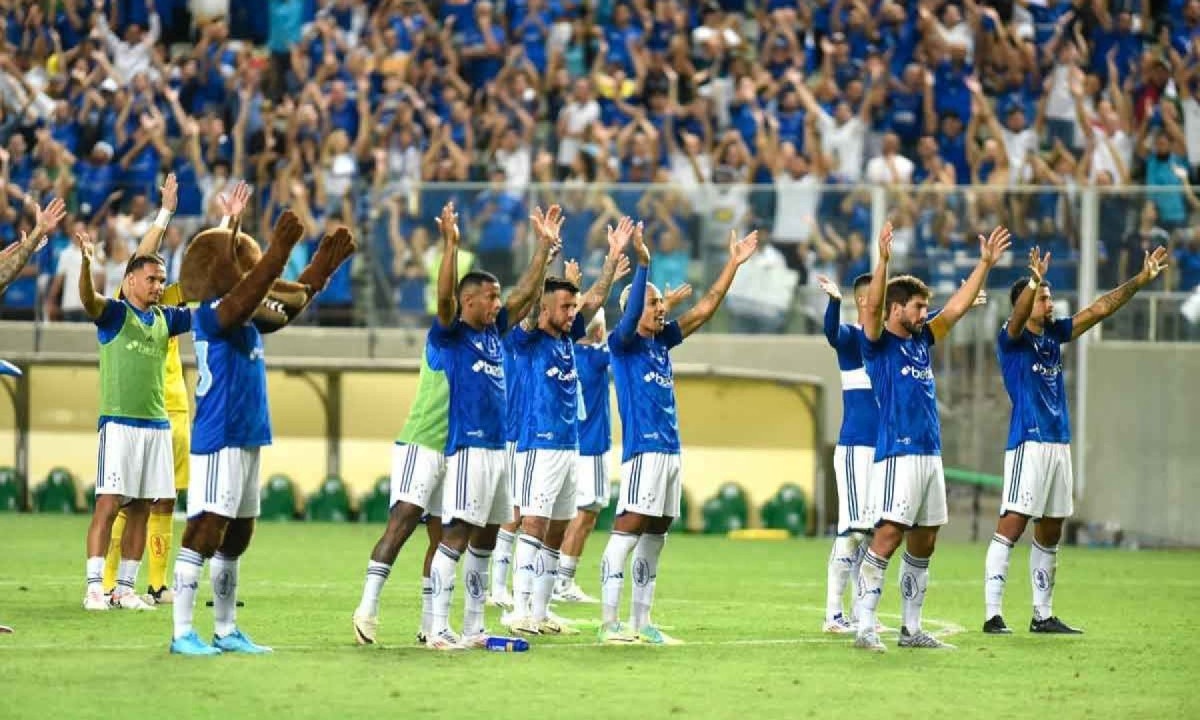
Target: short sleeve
{"x":440,"y":335}
{"x":578,"y":328}
{"x":179,"y":320}
{"x":671,"y":334}
{"x":872,"y":348}
{"x":112,"y":317}
{"x":1061,"y":329}
{"x":927,"y":336}
{"x":1006,"y":343}
{"x":206,"y":319}
{"x":502,"y":320}
{"x":521,"y":339}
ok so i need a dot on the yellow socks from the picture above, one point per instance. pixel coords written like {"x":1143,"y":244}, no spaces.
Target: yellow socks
{"x":158,"y":543}
{"x":114,"y":553}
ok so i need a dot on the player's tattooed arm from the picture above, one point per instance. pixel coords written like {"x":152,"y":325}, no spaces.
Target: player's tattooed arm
{"x":447,"y":301}
{"x":739,"y":252}
{"x":1023,"y":308}
{"x":547,"y":228}
{"x":170,"y":202}
{"x":1154,"y":263}
{"x":14,"y":258}
{"x":93,"y":302}
{"x":616,"y":266}
{"x":241,"y":302}
{"x":877,"y":291}
{"x":990,"y":249}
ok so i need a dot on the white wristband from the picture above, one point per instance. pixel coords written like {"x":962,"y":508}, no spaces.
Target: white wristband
{"x":225,"y":220}
{"x":164,"y":218}
{"x":1033,"y":284}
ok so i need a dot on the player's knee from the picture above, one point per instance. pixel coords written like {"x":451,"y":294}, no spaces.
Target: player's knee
{"x":535,"y":526}
{"x":107,"y":507}
{"x":887,"y":538}
{"x":204,"y":535}
{"x":165,"y":506}
{"x":237,"y":537}
{"x":1049,"y":531}
{"x":659,"y":526}
{"x":403,"y":519}
{"x":1012,"y":526}
{"x":484,"y":538}
{"x":630,"y":523}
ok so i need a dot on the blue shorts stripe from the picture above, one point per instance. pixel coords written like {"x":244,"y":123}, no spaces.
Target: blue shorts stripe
{"x":851,"y":497}
{"x":1015,"y":485}
{"x":600,"y":479}
{"x":406,"y":471}
{"x":100,"y":460}
{"x":635,"y":476}
{"x":889,"y":486}
{"x":211,"y":471}
{"x":461,"y":503}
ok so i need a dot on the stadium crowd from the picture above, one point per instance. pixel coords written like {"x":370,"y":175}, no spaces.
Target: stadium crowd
{"x":780,"y":115}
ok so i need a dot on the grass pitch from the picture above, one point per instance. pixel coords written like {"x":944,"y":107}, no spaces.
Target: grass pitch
{"x":750,"y":613}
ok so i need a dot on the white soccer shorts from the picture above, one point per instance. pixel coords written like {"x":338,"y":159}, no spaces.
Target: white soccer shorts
{"x":852,"y":471}
{"x":224,"y":483}
{"x":135,"y":462}
{"x":651,"y":485}
{"x":417,"y":474}
{"x":909,"y":490}
{"x":1038,"y":480}
{"x":547,"y":484}
{"x":476,"y":487}
{"x":591,"y":482}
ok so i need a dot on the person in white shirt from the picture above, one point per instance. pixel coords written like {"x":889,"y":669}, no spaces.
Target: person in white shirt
{"x":66,"y":305}
{"x":574,"y":119}
{"x":890,"y":167}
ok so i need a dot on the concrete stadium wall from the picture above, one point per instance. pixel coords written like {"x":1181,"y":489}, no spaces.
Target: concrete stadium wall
{"x":1142,"y":454}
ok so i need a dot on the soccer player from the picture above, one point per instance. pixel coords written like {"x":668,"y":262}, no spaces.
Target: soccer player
{"x":908,"y":489}
{"x":418,"y":469}
{"x":159,"y":527}
{"x":1037,"y":463}
{"x":855,"y":451}
{"x":651,"y":482}
{"x":595,"y":440}
{"x":465,"y":344}
{"x":232,"y":423}
{"x":548,"y":446}
{"x":135,"y":461}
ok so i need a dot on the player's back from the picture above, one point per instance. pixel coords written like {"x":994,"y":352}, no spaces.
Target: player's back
{"x":901,"y":374}
{"x":231,"y":390}
{"x":429,"y":415}
{"x":515,"y":382}
{"x":1032,"y":367}
{"x":552,"y":397}
{"x":860,"y":414}
{"x":474,"y":365}
{"x":595,"y":430}
{"x":645,"y":385}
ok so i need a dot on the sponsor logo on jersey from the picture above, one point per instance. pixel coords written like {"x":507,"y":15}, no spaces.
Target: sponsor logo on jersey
{"x":916,"y":373}
{"x":488,"y":368}
{"x":1047,"y":371}
{"x":659,"y":379}
{"x":567,"y":377}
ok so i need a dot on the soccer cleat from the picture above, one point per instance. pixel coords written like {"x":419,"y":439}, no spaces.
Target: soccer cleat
{"x":5,"y":630}
{"x":839,"y":625}
{"x":191,"y":644}
{"x":921,"y":639}
{"x":651,"y":635}
{"x":161,"y":596}
{"x":421,"y":637}
{"x":554,"y":626}
{"x":520,"y":624}
{"x":96,"y":600}
{"x":445,"y":640}
{"x":995,"y":626}
{"x":614,"y":634}
{"x":364,"y":628}
{"x":572,"y":593}
{"x":238,"y":642}
{"x":131,"y":601}
{"x":475,"y":641}
{"x":869,"y":641}
{"x":503,"y":600}
{"x":1052,"y":626}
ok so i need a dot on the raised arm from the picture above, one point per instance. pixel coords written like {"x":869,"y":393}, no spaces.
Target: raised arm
{"x":13,"y":259}
{"x":1154,"y":263}
{"x":990,"y":250}
{"x":93,"y":302}
{"x":635,"y":303}
{"x":1023,"y":307}
{"x":739,"y":252}
{"x":240,"y":303}
{"x":877,"y":290}
{"x":447,"y":300}
{"x":616,"y":266}
{"x":529,"y":288}
{"x":673,"y":298}
{"x":833,"y":311}
{"x":170,"y":201}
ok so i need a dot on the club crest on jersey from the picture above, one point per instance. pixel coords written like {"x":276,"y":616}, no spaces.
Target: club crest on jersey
{"x":488,"y":344}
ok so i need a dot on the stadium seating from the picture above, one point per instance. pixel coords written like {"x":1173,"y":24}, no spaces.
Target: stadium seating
{"x":330,"y":503}
{"x":56,"y":493}
{"x":374,"y":505}
{"x":786,"y":510}
{"x":10,"y":489}
{"x":278,"y":500}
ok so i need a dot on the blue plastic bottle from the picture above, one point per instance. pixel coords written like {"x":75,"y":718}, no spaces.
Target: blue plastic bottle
{"x":506,"y":644}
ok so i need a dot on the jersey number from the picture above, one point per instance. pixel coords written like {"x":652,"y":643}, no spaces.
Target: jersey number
{"x":204,"y":384}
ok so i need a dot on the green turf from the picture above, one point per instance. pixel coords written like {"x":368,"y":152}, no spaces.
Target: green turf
{"x":750,"y":612}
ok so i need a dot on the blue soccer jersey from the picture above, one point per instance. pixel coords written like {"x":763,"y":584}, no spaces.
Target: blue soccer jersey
{"x":551,"y":402}
{"x":644,"y":379}
{"x":231,"y":388}
{"x":595,"y":431}
{"x":515,"y":385}
{"x":860,"y":414}
{"x":1033,"y":376}
{"x":901,"y":373}
{"x":474,"y":365}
